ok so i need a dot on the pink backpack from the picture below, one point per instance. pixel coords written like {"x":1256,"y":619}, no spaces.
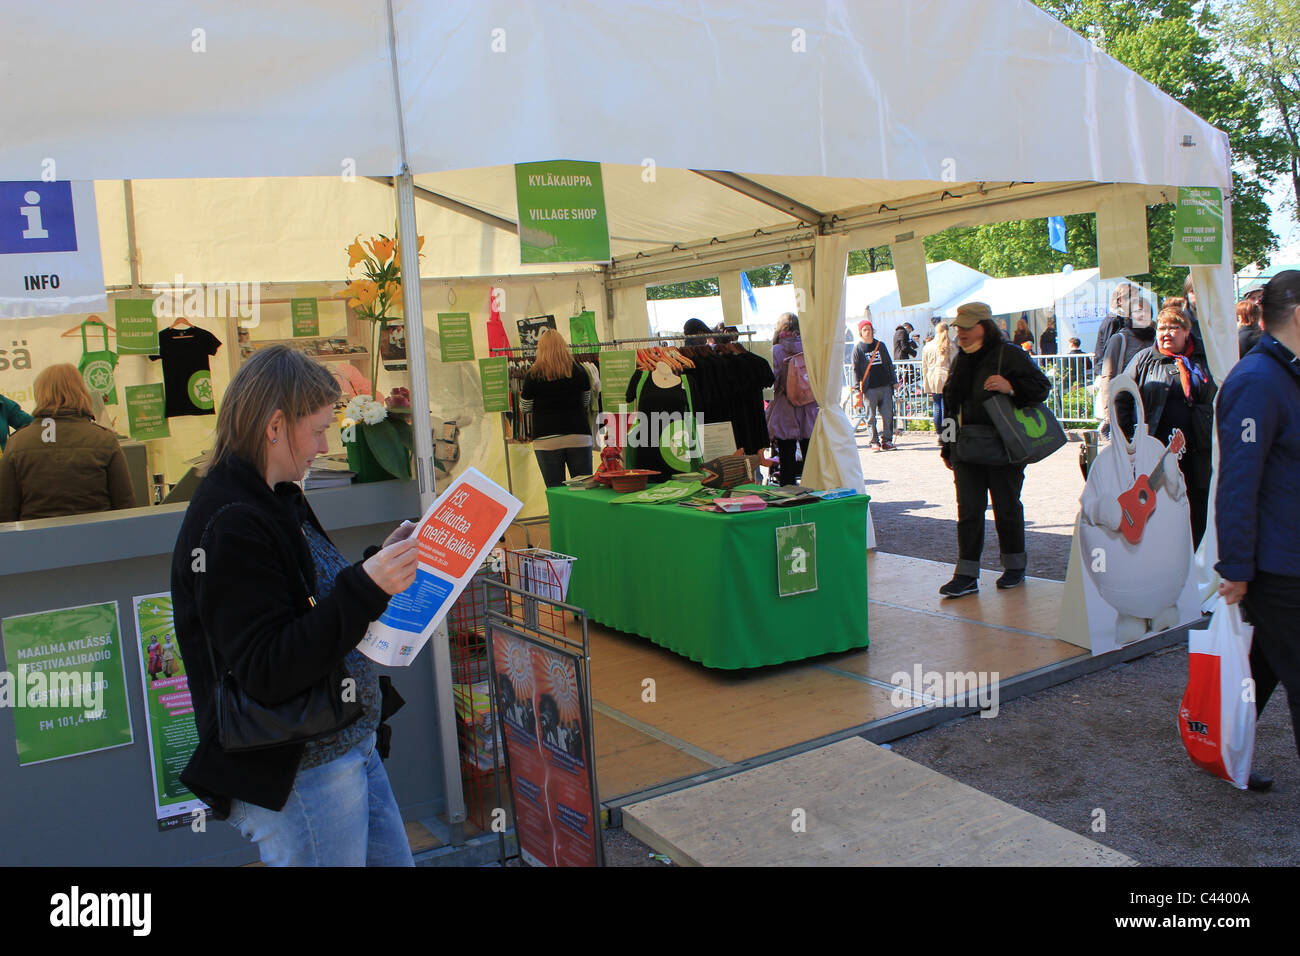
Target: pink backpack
{"x":797,"y":387}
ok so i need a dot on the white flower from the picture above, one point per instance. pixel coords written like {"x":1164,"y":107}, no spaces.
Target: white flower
{"x":353,"y":410}
{"x":372,"y":413}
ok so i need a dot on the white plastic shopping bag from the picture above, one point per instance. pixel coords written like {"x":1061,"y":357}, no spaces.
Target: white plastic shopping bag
{"x":1217,"y":717}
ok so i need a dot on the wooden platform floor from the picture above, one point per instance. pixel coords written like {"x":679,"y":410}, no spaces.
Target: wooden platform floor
{"x":859,"y":805}
{"x":703,"y":719}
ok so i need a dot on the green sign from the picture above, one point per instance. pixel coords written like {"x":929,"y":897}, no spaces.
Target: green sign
{"x":146,"y":412}
{"x":1198,"y":227}
{"x":561,"y":212}
{"x":496,"y":384}
{"x":582,"y":328}
{"x":455,"y":338}
{"x":306,"y":317}
{"x":137,"y":327}
{"x":796,"y":559}
{"x":616,"y":371}
{"x":169,"y":711}
{"x":65,"y":681}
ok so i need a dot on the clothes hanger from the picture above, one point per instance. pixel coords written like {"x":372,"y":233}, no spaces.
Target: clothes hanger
{"x":181,"y":321}
{"x":92,"y":320}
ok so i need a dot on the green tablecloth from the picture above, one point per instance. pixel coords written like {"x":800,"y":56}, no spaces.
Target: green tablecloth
{"x":705,"y":585}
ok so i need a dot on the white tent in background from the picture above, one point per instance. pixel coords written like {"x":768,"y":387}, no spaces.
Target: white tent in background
{"x":886,"y":127}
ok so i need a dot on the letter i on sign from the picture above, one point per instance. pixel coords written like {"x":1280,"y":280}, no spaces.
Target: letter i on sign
{"x":32,"y":213}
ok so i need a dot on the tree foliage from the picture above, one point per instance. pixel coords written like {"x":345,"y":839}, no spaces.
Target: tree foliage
{"x":1174,"y":45}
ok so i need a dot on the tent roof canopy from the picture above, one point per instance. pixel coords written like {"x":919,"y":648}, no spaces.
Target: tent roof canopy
{"x":1008,"y":93}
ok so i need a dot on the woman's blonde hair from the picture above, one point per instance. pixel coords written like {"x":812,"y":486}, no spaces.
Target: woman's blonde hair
{"x":60,"y":389}
{"x":554,"y":360}
{"x":276,"y":378}
{"x":941,"y":330}
{"x":788,"y":325}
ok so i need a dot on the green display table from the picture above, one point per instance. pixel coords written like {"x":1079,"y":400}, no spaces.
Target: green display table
{"x":705,"y":585}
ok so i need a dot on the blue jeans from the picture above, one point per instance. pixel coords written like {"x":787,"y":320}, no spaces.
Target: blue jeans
{"x":552,"y":464}
{"x":938,"y":412}
{"x":342,"y":813}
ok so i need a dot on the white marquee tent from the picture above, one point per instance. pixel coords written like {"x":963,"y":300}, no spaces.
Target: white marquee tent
{"x":886,"y":126}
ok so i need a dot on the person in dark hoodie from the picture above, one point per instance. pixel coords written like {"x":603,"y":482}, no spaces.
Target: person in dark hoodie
{"x":987,"y":364}
{"x":1137,"y":333}
{"x":1256,"y":517}
{"x":875,"y":379}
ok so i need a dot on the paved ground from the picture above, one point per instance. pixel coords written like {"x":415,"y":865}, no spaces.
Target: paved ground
{"x":914,"y":505}
{"x":1105,"y":742}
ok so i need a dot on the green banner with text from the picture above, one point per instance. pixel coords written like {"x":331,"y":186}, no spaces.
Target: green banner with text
{"x":306,"y":317}
{"x":168,"y":708}
{"x":796,"y":559}
{"x":616,"y":371}
{"x":455,"y":338}
{"x":1198,"y":227}
{"x":146,"y":412}
{"x":496,"y":385}
{"x":137,"y":327}
{"x":65,"y":682}
{"x":561,"y":212}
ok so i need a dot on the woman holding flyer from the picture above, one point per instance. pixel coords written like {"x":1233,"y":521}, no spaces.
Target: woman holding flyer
{"x":268,"y":611}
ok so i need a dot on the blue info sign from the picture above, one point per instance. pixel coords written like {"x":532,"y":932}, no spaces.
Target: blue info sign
{"x":36,"y":217}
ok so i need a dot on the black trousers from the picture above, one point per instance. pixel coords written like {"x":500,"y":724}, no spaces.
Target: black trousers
{"x":1272,"y":604}
{"x":789,"y":468}
{"x":1198,"y":499}
{"x":976,"y":484}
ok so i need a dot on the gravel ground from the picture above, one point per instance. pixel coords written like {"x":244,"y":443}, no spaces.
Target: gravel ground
{"x":1109,"y":741}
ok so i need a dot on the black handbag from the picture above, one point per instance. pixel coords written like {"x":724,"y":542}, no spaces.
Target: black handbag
{"x":980,"y":445}
{"x":246,"y":724}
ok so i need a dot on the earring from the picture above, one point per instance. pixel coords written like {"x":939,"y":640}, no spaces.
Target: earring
{"x":275,"y":441}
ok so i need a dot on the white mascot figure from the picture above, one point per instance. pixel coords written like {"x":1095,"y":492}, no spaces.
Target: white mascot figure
{"x":1142,"y":580}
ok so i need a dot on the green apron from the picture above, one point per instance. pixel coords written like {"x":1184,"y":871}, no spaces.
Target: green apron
{"x":96,"y":368}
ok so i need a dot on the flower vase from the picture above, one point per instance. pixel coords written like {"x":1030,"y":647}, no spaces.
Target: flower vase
{"x":361,"y":460}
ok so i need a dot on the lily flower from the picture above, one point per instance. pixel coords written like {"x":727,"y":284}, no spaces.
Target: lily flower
{"x":356,"y":253}
{"x":382,"y":248}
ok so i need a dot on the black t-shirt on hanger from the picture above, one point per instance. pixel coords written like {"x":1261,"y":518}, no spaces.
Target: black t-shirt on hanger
{"x":187,"y":379}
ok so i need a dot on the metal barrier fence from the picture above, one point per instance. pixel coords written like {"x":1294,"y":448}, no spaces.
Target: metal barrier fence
{"x":1071,"y":399}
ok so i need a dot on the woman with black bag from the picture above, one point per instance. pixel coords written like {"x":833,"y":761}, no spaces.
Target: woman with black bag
{"x":981,"y":468}
{"x":269,"y":614}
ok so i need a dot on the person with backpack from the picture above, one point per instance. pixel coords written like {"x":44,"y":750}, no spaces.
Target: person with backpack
{"x":873,"y":370}
{"x":793,"y":411}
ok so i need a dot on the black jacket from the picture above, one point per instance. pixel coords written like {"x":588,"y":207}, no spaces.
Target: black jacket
{"x":247,"y":594}
{"x":1159,"y":383}
{"x":1123,"y":346}
{"x":882,"y":370}
{"x":1247,"y":339}
{"x":964,"y":395}
{"x":558,"y":407}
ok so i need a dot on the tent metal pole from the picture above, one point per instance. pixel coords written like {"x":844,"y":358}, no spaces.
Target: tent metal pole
{"x":132,"y":253}
{"x":422,"y":432}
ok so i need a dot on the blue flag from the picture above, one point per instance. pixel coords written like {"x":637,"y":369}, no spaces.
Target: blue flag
{"x":747,"y":288}
{"x":1056,"y":233}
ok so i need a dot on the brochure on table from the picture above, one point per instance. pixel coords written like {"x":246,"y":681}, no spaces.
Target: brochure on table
{"x":462,"y":525}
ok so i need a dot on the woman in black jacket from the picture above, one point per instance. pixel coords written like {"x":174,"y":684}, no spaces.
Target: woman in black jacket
{"x":986,"y":364}
{"x":1177,"y":392}
{"x":557,"y":391}
{"x":258,"y":585}
{"x":1136,"y":333}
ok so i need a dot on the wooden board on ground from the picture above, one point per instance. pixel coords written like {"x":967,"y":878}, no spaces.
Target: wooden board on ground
{"x":863,"y":806}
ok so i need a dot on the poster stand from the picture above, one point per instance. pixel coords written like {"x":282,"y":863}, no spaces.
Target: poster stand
{"x":541,"y":700}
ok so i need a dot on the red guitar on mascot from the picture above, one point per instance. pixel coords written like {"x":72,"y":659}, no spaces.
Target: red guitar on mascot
{"x":1139,"y":502}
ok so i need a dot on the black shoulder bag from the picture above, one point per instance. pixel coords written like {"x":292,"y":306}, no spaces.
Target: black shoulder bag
{"x":245,"y":724}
